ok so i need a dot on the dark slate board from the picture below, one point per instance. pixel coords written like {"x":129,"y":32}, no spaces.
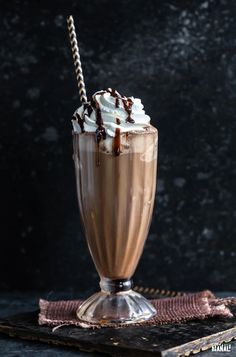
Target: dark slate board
{"x":166,"y":340}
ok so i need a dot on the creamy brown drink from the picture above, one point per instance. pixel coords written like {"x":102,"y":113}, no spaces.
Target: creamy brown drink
{"x":116,"y":197}
{"x":115,"y":156}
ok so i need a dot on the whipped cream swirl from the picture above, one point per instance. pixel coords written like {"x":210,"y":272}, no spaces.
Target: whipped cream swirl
{"x":108,"y":113}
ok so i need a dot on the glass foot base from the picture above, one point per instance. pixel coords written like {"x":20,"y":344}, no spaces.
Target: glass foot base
{"x":108,"y":309}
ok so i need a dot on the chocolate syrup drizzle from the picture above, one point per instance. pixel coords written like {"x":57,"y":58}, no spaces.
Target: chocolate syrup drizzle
{"x":116,"y":95}
{"x":117,"y":103}
{"x":116,"y":143}
{"x":128,"y":108}
{"x":79,"y":120}
{"x":89,"y":108}
{"x":127,"y":103}
{"x":94,"y":106}
{"x":100,"y":132}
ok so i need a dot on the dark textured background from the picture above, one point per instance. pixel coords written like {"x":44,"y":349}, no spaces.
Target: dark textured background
{"x":180,"y":58}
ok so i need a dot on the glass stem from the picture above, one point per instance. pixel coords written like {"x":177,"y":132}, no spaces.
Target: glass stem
{"x":111,"y":286}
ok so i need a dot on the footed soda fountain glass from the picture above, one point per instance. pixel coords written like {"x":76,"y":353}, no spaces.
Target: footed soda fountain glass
{"x":115,"y":157}
{"x":116,"y":184}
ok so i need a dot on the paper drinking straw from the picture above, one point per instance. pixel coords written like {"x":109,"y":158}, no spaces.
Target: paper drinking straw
{"x":76,"y":59}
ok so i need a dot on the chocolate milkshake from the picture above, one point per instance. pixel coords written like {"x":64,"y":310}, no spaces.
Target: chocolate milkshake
{"x":115,"y":156}
{"x":116,"y":199}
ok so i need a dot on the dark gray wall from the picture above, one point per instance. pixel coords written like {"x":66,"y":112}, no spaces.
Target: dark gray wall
{"x":180,"y":58}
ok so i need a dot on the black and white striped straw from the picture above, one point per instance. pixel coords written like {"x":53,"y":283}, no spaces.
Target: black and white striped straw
{"x":76,"y":58}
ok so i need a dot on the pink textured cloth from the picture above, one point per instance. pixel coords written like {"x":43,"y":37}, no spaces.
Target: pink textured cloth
{"x":169,"y":310}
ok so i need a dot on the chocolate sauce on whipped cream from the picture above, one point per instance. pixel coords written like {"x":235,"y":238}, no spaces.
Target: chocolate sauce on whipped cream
{"x":89,"y":108}
{"x":128,"y":108}
{"x":127,"y":104}
{"x":79,"y":120}
{"x":116,"y":95}
{"x":100,"y":131}
{"x":100,"y":114}
{"x":116,"y":143}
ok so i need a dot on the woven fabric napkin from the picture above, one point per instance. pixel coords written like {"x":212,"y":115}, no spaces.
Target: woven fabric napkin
{"x":169,"y":310}
{"x":199,"y":305}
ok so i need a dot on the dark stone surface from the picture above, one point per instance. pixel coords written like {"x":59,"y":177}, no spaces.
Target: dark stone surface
{"x":179,"y":57}
{"x":12,"y":303}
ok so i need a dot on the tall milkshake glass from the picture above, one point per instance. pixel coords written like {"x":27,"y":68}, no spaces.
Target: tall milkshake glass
{"x":116,"y":183}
